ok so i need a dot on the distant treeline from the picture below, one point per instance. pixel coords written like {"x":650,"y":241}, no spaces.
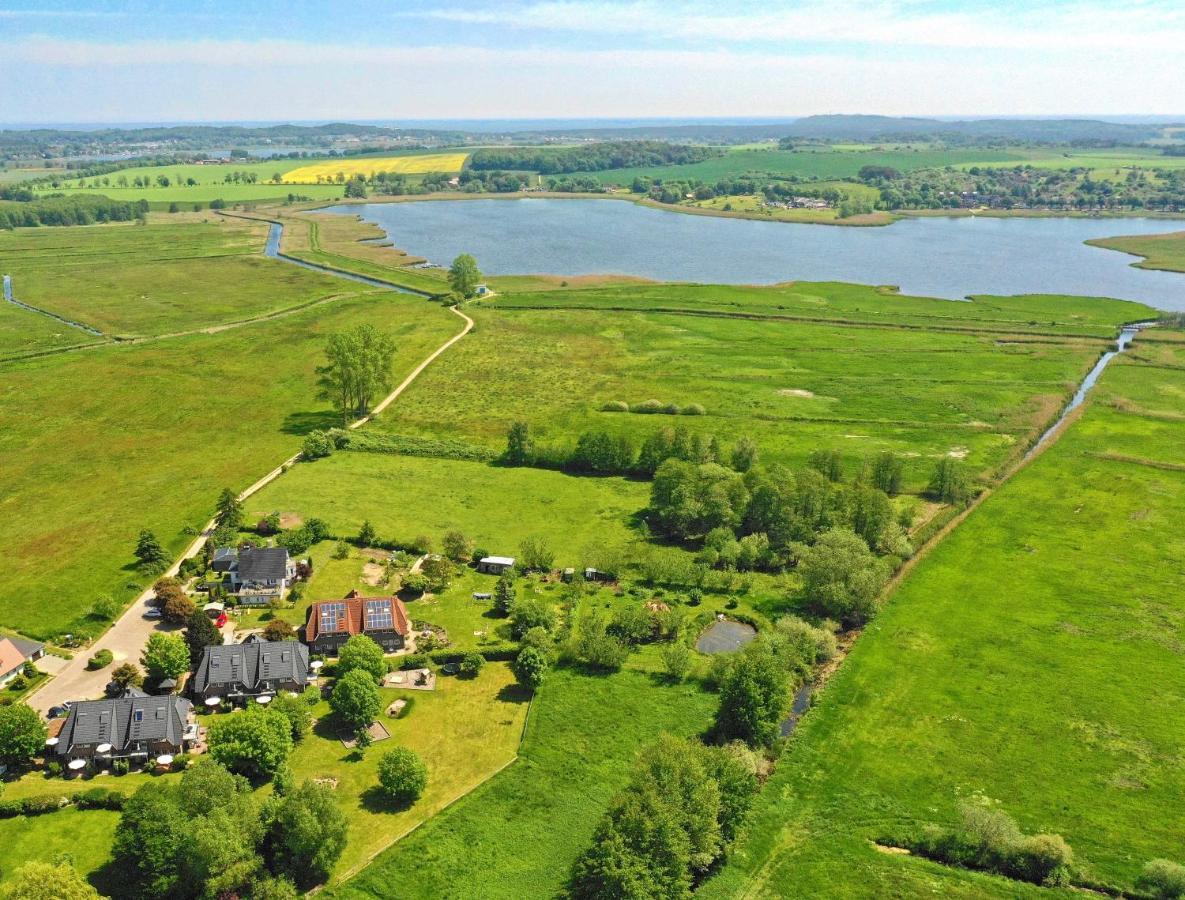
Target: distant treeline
{"x":59,"y":209}
{"x":590,"y":157}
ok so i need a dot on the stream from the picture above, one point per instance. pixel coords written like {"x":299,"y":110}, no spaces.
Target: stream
{"x":8,"y":295}
{"x":272,"y":251}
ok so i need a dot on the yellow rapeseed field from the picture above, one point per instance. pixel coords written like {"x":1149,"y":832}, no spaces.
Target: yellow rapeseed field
{"x":405,"y":165}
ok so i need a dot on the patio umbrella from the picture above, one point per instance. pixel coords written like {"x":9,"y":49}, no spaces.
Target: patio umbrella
{"x":103,"y":748}
{"x":76,"y":764}
{"x":213,"y":701}
{"x":164,"y":759}
{"x":316,"y":664}
{"x":263,"y":699}
{"x":51,"y":742}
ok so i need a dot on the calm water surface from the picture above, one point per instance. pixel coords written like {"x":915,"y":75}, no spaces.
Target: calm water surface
{"x":937,"y":257}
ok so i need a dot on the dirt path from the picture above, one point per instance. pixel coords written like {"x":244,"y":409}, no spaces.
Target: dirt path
{"x":127,"y":636}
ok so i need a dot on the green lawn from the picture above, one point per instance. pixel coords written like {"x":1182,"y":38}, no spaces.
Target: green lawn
{"x":100,"y":444}
{"x":1159,"y":251}
{"x":793,"y":386}
{"x":404,"y":497}
{"x":84,"y":836}
{"x":1033,"y":657}
{"x":157,"y":279}
{"x":517,"y":835}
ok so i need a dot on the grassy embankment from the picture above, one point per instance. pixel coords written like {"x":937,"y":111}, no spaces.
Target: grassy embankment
{"x":102,"y":443}
{"x":517,"y":835}
{"x":1033,"y":658}
{"x":1158,"y":251}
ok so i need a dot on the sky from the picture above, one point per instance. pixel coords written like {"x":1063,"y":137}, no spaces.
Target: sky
{"x":265,"y":60}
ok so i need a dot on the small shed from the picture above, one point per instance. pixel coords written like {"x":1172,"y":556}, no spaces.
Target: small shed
{"x":568,"y":574}
{"x":591,"y":574}
{"x":495,"y":565}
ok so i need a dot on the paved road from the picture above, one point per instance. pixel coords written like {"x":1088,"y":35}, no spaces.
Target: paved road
{"x":130,"y":631}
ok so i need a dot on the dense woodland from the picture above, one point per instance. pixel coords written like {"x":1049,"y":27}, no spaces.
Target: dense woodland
{"x":590,"y":157}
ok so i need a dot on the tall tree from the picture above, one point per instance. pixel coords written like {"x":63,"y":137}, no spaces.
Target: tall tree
{"x":464,"y":276}
{"x":357,"y":368}
{"x":149,"y":551}
{"x":519,"y":448}
{"x":200,"y":633}
{"x":308,"y":834}
{"x":45,"y":881}
{"x":230,"y":510}
{"x":165,"y":656}
{"x":22,"y":733}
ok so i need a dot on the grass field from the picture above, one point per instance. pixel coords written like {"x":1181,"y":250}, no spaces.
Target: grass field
{"x":793,"y":386}
{"x":159,"y":279}
{"x":99,"y":444}
{"x":84,"y":836}
{"x":517,"y":835}
{"x":824,"y":164}
{"x":1159,"y":251}
{"x":1033,"y":657}
{"x":23,"y":333}
{"x":404,"y":497}
{"x":419,"y":164}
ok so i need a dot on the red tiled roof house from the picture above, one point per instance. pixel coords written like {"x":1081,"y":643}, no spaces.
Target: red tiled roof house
{"x":333,"y":622}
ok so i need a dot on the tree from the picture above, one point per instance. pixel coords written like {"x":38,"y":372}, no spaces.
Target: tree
{"x":888,"y":471}
{"x":358,"y":366}
{"x":149,"y":552}
{"x":505,"y":592}
{"x":402,"y":775}
{"x":279,"y":630}
{"x":255,"y":742}
{"x":472,"y":663}
{"x":355,"y":698}
{"x":22,"y":734}
{"x":457,"y":547}
{"x":296,"y":710}
{"x":1162,"y":879}
{"x":530,"y":667}
{"x":520,"y":449}
{"x":273,"y":889}
{"x":528,"y":614}
{"x":178,"y":608}
{"x":828,"y":462}
{"x":230,"y":510}
{"x":744,"y":454}
{"x":949,"y":483}
{"x":47,"y":881}
{"x":676,"y":658}
{"x":537,"y":555}
{"x":200,"y":633}
{"x":165,"y":656}
{"x":366,"y":535}
{"x":754,"y":696}
{"x":464,"y":276}
{"x":127,"y":675}
{"x":841,"y":578}
{"x":438,"y":571}
{"x":307,"y":834}
{"x":362,"y":652}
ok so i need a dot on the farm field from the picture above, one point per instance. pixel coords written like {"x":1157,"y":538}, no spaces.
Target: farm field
{"x":1159,"y":251}
{"x":1032,"y":658}
{"x":794,"y":387}
{"x":582,"y":736}
{"x":106,"y":442}
{"x":823,"y":164}
{"x":419,"y":164}
{"x":159,"y":279}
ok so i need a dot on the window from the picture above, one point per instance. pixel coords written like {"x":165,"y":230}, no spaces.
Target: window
{"x":138,"y":715}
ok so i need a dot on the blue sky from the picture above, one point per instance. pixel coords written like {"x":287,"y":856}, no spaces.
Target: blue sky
{"x":94,"y":61}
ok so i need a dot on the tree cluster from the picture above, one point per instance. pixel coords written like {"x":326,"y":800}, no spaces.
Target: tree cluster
{"x":77,"y":209}
{"x":675,"y":820}
{"x":593,"y":157}
{"x":357,"y":368}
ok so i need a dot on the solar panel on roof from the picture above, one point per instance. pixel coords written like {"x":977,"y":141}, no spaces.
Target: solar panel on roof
{"x":333,"y":616}
{"x":379,"y":615}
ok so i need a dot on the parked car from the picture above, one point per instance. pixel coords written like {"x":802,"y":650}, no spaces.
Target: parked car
{"x":153,"y":613}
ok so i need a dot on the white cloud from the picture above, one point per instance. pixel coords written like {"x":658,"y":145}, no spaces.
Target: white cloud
{"x":1040,"y":27}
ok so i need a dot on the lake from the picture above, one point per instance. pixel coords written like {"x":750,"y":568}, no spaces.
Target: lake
{"x":937,"y":257}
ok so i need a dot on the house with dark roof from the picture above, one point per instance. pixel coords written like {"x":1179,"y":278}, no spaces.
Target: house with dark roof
{"x":333,"y":622}
{"x":130,"y":726}
{"x":251,"y":669}
{"x":14,"y":653}
{"x":260,"y":574}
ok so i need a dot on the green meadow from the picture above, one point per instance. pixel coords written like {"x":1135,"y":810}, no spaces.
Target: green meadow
{"x":1159,"y":251}
{"x":822,"y":164}
{"x":517,"y":835}
{"x":157,"y":279}
{"x":24,"y":333}
{"x":103,"y":442}
{"x":1033,"y":658}
{"x":793,"y":386}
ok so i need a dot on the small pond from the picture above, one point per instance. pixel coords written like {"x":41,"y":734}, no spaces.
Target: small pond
{"x":725,"y":636}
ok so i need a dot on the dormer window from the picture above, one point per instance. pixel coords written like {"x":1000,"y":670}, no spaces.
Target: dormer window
{"x":138,"y":715}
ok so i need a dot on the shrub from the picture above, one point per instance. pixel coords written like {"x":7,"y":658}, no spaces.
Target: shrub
{"x":342,"y":551}
{"x":676,"y":659}
{"x":317,"y":445}
{"x":414,"y":661}
{"x":530,"y":667}
{"x":356,"y":699}
{"x":671,"y":409}
{"x":615,"y":406}
{"x":415,"y":583}
{"x":100,"y":660}
{"x":402,"y":775}
{"x":1162,"y":879}
{"x":120,"y":767}
{"x":528,"y":614}
{"x":362,"y":652}
{"x":694,"y":409}
{"x":647,"y":407}
{"x":471,"y":664}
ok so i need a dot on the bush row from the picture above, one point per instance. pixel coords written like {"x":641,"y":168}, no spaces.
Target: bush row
{"x":94,"y":798}
{"x":654,"y":407}
{"x":319,"y":444}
